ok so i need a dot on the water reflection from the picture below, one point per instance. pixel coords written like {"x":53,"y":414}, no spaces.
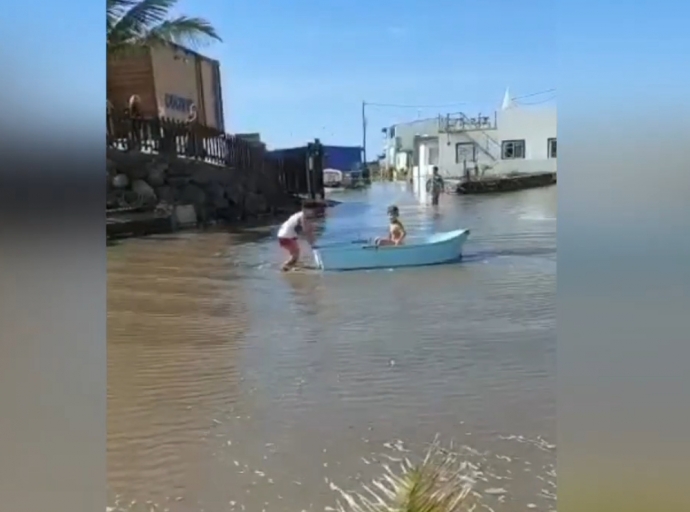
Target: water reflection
{"x":306,"y":291}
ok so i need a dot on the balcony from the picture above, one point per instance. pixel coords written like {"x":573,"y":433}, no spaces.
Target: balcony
{"x":459,"y":122}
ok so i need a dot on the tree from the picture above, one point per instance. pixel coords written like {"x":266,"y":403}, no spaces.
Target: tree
{"x":134,"y":24}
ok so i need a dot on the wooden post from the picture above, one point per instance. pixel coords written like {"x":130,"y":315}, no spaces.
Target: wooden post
{"x":315,"y":158}
{"x":310,"y":170}
{"x":364,"y":133}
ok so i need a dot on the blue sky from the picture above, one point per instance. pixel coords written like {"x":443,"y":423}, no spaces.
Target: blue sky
{"x":298,"y":69}
{"x":293,"y":71}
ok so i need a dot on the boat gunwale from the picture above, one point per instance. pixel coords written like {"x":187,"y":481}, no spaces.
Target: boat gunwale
{"x":353,"y":246}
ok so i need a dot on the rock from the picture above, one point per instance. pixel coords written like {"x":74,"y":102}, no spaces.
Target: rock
{"x":156,"y":174}
{"x":216,"y":196}
{"x":180,"y":167}
{"x":185,"y":215}
{"x":207,"y":174}
{"x":214,"y":191}
{"x":179,"y":182}
{"x":111,"y":167}
{"x":145,"y":191}
{"x":167,"y":194}
{"x":193,"y":194}
{"x":164,"y":209}
{"x":120,"y":181}
{"x":235,"y":192}
{"x":255,"y":204}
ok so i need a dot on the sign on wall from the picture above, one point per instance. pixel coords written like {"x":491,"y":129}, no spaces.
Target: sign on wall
{"x":178,"y":103}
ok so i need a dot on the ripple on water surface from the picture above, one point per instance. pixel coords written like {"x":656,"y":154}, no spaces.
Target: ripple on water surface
{"x":232,"y":386}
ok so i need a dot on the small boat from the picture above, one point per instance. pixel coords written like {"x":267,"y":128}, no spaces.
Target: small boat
{"x":429,"y":250}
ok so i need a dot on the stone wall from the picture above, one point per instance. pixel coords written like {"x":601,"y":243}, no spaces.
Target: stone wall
{"x":217,"y":192}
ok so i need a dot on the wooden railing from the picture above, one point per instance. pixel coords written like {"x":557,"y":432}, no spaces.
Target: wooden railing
{"x":183,"y":139}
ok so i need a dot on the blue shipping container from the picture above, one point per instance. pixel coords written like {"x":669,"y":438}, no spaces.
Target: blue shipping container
{"x":343,"y":158}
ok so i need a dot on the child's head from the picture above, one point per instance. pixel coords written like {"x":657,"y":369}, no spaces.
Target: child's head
{"x":393,"y":212}
{"x":309,"y":208}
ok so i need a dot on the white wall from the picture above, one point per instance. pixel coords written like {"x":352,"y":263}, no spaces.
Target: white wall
{"x":406,"y":133}
{"x":428,"y":155}
{"x":533,"y":125}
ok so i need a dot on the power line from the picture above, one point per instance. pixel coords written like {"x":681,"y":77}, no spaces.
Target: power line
{"x":533,"y":94}
{"x":539,"y":102}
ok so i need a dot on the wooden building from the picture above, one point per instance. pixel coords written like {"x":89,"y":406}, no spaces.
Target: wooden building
{"x":171,"y":81}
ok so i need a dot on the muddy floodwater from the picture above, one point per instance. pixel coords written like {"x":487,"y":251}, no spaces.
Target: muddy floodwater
{"x":233,"y":386}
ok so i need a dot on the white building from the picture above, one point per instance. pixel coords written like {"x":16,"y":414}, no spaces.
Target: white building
{"x":399,"y":145}
{"x":514,"y":140}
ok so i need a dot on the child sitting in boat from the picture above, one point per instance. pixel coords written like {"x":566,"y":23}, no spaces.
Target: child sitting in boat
{"x":396,"y":230}
{"x":288,"y":234}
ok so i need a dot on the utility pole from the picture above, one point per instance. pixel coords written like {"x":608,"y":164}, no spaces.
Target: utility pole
{"x":364,"y":132}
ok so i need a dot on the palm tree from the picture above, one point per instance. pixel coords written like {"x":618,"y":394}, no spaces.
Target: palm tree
{"x":134,"y":24}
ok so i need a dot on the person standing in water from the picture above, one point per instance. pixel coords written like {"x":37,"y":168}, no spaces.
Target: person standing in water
{"x":434,"y":186}
{"x":288,"y":234}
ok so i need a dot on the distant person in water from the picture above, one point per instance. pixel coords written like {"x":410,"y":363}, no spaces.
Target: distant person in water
{"x":289,"y":232}
{"x":434,"y":186}
{"x":396,"y":230}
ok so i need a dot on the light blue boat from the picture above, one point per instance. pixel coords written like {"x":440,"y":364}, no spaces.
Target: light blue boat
{"x":429,"y":250}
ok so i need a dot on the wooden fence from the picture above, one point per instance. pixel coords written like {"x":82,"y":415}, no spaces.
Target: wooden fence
{"x":183,"y":139}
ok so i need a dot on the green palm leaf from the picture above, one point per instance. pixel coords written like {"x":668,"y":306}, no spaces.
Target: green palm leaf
{"x":135,"y":23}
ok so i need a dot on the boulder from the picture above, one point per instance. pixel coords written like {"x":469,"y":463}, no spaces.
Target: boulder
{"x":180,"y":167}
{"x":193,"y":194}
{"x":255,"y":204}
{"x":145,"y":191}
{"x":111,"y":167}
{"x":157,"y":173}
{"x":167,"y":194}
{"x":185,"y":216}
{"x":216,"y":196}
{"x":235,"y":192}
{"x":120,"y":181}
{"x":178,"y":182}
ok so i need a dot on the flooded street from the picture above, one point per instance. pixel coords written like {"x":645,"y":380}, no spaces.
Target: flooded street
{"x":233,"y":386}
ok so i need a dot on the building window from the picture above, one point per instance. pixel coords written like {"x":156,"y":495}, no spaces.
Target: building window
{"x":465,"y":152}
{"x":391,"y":132}
{"x":551,"y":148}
{"x":512,"y":149}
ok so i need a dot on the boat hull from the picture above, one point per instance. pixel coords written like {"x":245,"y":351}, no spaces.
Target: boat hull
{"x":433,"y":250}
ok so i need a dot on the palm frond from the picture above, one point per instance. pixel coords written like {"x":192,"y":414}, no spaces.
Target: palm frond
{"x":440,"y":483}
{"x":131,"y":24}
{"x":140,"y":16}
{"x":182,"y":30}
